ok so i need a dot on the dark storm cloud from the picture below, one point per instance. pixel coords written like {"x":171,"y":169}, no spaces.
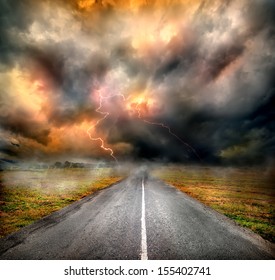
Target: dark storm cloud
{"x":55,"y":60}
{"x":20,"y":123}
{"x":50,"y":61}
{"x":212,"y":75}
{"x":225,"y":124}
{"x":143,"y":140}
{"x":260,"y":15}
{"x":14,"y":15}
{"x":70,"y":115}
{"x":221,"y":59}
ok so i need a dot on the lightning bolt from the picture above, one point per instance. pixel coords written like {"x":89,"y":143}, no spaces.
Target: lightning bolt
{"x":168,"y":129}
{"x":105,"y":115}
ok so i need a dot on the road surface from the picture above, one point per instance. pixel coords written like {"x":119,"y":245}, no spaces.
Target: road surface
{"x":138,"y":218}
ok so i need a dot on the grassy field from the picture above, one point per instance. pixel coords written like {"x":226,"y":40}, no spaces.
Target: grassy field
{"x":243,"y":194}
{"x":26,"y":196}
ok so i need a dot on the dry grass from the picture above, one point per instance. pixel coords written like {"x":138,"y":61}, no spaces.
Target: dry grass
{"x":27,"y":196}
{"x":243,"y":194}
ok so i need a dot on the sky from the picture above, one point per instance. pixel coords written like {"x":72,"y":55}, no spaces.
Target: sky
{"x":169,"y":81}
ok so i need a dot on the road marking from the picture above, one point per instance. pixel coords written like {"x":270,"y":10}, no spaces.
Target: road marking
{"x":143,"y":226}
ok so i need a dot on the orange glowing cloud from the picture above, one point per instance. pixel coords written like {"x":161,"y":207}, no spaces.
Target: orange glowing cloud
{"x":27,"y":93}
{"x":86,"y":4}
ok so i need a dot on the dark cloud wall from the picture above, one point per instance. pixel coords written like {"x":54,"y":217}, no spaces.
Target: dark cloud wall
{"x":205,"y":69}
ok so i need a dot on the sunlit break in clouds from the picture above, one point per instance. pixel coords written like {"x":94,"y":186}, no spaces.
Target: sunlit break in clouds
{"x":172,"y":81}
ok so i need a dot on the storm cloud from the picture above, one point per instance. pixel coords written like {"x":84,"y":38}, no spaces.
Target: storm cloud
{"x":180,"y":81}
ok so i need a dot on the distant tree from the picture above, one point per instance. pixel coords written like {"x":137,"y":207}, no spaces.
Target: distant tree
{"x":74,"y":165}
{"x":58,"y":165}
{"x":67,"y":164}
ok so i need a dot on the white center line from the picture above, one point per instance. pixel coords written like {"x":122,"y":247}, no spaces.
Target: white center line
{"x":143,"y":226}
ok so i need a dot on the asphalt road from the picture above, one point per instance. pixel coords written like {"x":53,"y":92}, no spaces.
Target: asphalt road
{"x":138,"y":218}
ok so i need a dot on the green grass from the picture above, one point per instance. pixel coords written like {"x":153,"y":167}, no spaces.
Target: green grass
{"x":245,"y":195}
{"x":26,"y":196}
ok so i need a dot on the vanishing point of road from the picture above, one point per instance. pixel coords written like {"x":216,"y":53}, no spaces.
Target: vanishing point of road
{"x":137,"y":218}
